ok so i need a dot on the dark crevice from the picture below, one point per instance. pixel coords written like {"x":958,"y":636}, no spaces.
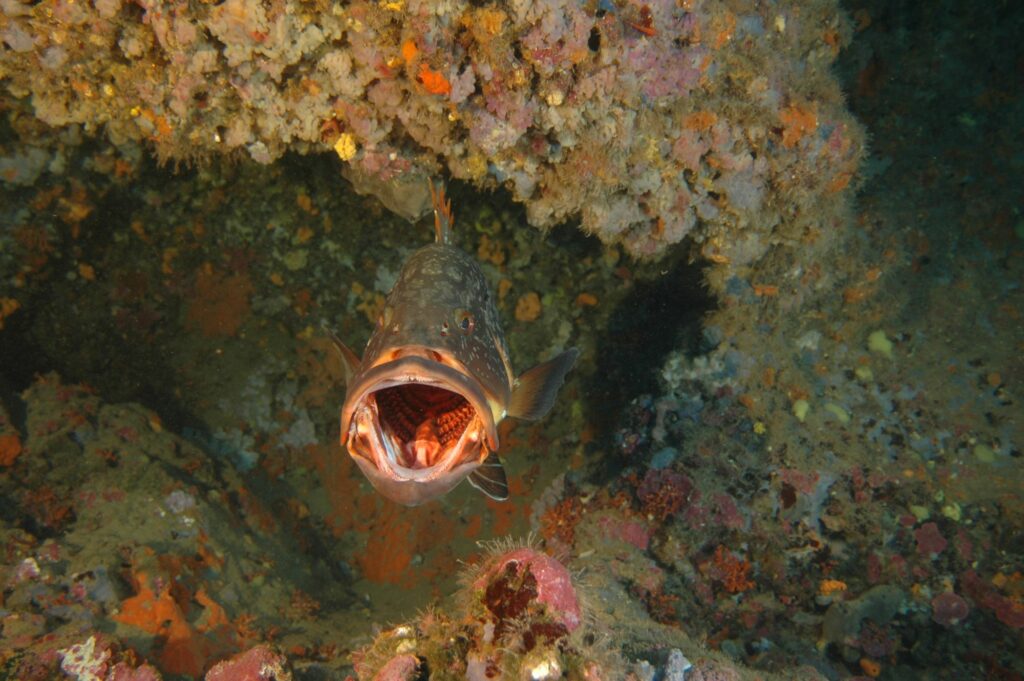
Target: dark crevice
{"x":655,"y":318}
{"x":59,"y":329}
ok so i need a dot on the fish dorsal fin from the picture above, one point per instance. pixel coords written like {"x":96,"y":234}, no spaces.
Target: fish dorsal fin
{"x":349,"y":361}
{"x":535,"y":390}
{"x":443,"y":218}
{"x":490,"y":478}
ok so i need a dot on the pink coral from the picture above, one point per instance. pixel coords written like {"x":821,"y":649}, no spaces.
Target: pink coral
{"x":727,"y":512}
{"x":663,"y":493}
{"x":1007,"y":610}
{"x":949,"y":609}
{"x":930,"y":541}
{"x":804,"y":482}
{"x":513,"y":580}
{"x":256,"y":664}
{"x":630,"y":531}
{"x":398,"y":668}
{"x":125,"y":672}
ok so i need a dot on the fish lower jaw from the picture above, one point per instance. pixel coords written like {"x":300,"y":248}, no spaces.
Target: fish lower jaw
{"x":425,"y":458}
{"x":420,"y":459}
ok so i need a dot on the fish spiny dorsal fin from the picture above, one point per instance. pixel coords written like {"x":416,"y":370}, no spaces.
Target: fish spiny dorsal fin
{"x":349,"y":360}
{"x":443,"y":218}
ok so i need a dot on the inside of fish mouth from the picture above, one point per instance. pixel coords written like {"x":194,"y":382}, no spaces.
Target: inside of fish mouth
{"x":424,"y":420}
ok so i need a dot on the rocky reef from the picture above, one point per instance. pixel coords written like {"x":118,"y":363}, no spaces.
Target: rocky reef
{"x":790,"y":449}
{"x":522,"y":615}
{"x":130,"y":554}
{"x":649,"y":122}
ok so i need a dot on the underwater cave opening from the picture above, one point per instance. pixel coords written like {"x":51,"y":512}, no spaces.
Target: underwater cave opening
{"x":65,"y":323}
{"x":663,"y":312}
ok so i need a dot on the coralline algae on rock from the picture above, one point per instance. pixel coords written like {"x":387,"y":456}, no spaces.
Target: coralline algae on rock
{"x":515,"y":581}
{"x":519,"y":617}
{"x":256,"y":664}
{"x":650,"y":122}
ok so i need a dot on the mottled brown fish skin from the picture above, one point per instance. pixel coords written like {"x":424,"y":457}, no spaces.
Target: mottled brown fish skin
{"x":422,"y":405}
{"x":435,"y":285}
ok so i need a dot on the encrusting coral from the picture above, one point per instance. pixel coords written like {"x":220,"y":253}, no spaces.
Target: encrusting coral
{"x":520,"y":617}
{"x":650,"y":122}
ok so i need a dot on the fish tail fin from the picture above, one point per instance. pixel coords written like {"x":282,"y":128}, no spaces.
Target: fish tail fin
{"x":443,"y":218}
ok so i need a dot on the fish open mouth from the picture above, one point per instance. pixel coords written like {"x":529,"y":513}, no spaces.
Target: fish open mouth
{"x":417,"y":417}
{"x":422,"y":421}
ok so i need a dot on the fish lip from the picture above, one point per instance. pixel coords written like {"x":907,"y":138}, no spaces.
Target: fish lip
{"x":410,"y":492}
{"x":413,"y":368}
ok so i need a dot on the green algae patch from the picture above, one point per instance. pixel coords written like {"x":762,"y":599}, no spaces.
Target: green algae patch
{"x":880,"y":344}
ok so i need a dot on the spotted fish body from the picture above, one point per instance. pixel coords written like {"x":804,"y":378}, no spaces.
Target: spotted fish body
{"x":423,"y":404}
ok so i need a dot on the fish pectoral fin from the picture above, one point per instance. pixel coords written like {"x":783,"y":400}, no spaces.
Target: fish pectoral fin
{"x":535,"y":390}
{"x":490,"y":478}
{"x":349,"y":361}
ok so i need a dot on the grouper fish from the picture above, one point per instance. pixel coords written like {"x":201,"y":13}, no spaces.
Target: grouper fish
{"x":422,"y":406}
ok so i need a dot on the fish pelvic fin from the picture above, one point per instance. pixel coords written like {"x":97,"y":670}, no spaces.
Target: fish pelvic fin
{"x":349,"y":361}
{"x":535,"y":391}
{"x":490,"y":478}
{"x":444,"y":221}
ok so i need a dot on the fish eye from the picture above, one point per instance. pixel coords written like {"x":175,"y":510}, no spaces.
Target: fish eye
{"x":465,"y":320}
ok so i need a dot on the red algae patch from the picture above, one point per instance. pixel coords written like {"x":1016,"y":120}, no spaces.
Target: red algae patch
{"x":220,"y":303}
{"x":10,"y":449}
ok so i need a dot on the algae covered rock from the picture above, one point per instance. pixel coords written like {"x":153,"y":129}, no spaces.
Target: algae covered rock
{"x":518,"y":616}
{"x":648,"y":122}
